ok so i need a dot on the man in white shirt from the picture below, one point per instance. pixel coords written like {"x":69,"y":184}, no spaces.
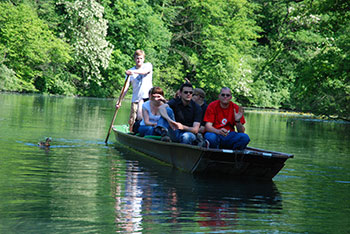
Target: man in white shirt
{"x":140,"y":76}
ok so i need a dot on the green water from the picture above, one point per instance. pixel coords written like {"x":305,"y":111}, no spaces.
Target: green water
{"x":80,"y":185}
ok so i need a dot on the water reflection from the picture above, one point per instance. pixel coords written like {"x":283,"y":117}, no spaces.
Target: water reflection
{"x":128,"y":201}
{"x":150,"y":193}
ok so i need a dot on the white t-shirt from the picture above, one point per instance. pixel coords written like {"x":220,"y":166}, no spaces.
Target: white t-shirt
{"x":141,"y":84}
{"x":152,"y":118}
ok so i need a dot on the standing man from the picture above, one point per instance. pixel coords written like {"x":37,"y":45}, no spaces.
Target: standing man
{"x":221,"y":117}
{"x":140,"y":76}
{"x":183,"y":118}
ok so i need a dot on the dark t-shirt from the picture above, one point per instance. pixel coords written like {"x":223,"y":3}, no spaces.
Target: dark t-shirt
{"x":186,"y":115}
{"x":204,"y":108}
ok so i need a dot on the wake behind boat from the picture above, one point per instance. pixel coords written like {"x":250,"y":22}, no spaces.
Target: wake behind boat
{"x":251,"y":162}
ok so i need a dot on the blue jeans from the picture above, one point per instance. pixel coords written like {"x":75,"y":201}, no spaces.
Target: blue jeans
{"x":176,"y":135}
{"x":233,"y":140}
{"x":146,"y":130}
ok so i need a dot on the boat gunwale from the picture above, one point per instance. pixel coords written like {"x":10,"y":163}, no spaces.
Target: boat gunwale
{"x":247,"y":151}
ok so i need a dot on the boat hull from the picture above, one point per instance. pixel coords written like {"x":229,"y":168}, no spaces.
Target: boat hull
{"x":250,"y":162}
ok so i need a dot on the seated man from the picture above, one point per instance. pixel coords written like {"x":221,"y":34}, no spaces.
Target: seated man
{"x":199,"y":98}
{"x":221,"y":118}
{"x":183,"y":117}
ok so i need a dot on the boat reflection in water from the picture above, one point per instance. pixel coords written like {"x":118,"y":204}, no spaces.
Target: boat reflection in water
{"x":148,"y":193}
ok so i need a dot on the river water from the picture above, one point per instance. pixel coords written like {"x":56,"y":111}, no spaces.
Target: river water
{"x":80,"y":185}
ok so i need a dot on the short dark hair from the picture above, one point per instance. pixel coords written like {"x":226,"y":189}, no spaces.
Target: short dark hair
{"x":200,"y":92}
{"x":185,"y":85}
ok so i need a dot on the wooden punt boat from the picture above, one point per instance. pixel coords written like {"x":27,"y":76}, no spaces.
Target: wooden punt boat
{"x":251,"y":162}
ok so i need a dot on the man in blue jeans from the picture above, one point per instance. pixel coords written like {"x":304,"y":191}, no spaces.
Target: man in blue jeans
{"x":183,"y":118}
{"x":222,"y":117}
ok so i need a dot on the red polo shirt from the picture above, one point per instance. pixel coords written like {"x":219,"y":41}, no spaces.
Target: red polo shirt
{"x":220,"y":117}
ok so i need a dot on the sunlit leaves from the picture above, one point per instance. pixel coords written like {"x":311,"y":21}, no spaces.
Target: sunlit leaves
{"x":86,"y":31}
{"x":29,"y":46}
{"x":219,"y":35}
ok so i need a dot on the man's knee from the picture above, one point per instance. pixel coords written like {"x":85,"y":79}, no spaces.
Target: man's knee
{"x":212,"y":138}
{"x":242,"y":142}
{"x":245,"y":138}
{"x":188,"y":138}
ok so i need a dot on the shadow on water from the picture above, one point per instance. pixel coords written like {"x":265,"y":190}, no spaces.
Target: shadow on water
{"x":214,"y":203}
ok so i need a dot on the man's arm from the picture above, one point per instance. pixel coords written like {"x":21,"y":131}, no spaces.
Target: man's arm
{"x":240,"y":127}
{"x":144,"y":70}
{"x":123,"y":94}
{"x":238,"y":116}
{"x":209,"y":128}
{"x":194,"y":129}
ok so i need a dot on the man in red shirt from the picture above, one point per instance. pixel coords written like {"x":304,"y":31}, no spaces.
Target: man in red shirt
{"x":221,"y":117}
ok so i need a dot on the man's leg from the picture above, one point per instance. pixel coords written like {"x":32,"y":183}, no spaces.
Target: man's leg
{"x":214,"y":140}
{"x":235,"y":141}
{"x":139,"y":110}
{"x":187,"y":137}
{"x":133,"y":113}
{"x":145,"y":130}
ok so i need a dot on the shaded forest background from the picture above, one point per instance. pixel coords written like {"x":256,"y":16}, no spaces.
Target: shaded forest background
{"x":273,"y":54}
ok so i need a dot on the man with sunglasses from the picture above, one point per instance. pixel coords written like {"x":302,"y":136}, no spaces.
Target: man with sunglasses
{"x":222,"y":117}
{"x":183,"y":118}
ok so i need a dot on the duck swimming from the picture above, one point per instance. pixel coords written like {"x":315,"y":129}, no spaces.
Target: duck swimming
{"x":45,"y":143}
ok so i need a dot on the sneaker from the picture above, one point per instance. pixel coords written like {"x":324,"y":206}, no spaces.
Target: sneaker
{"x":165,"y":138}
{"x":160,"y":131}
{"x":200,"y":140}
{"x":164,"y":132}
{"x":206,"y":144}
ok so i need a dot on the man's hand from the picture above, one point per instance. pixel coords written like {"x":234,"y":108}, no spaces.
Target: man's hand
{"x":176,"y":125}
{"x":239,"y":114}
{"x":222,"y":131}
{"x":129,"y":72}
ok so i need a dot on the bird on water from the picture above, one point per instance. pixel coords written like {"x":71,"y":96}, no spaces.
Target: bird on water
{"x":46,"y":143}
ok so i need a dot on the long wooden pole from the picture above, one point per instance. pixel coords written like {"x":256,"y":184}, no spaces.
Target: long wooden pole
{"x":117,"y":108}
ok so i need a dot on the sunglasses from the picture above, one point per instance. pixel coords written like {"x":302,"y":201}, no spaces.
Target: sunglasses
{"x":225,"y":95}
{"x":188,"y":92}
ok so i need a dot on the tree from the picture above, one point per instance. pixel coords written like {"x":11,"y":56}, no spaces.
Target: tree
{"x":29,"y":47}
{"x":323,"y":85}
{"x":211,"y":42}
{"x":302,"y":53}
{"x":135,"y":25}
{"x":86,"y":31}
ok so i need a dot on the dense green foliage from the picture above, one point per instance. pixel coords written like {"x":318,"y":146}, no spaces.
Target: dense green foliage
{"x":30,"y":53}
{"x":276,"y":54}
